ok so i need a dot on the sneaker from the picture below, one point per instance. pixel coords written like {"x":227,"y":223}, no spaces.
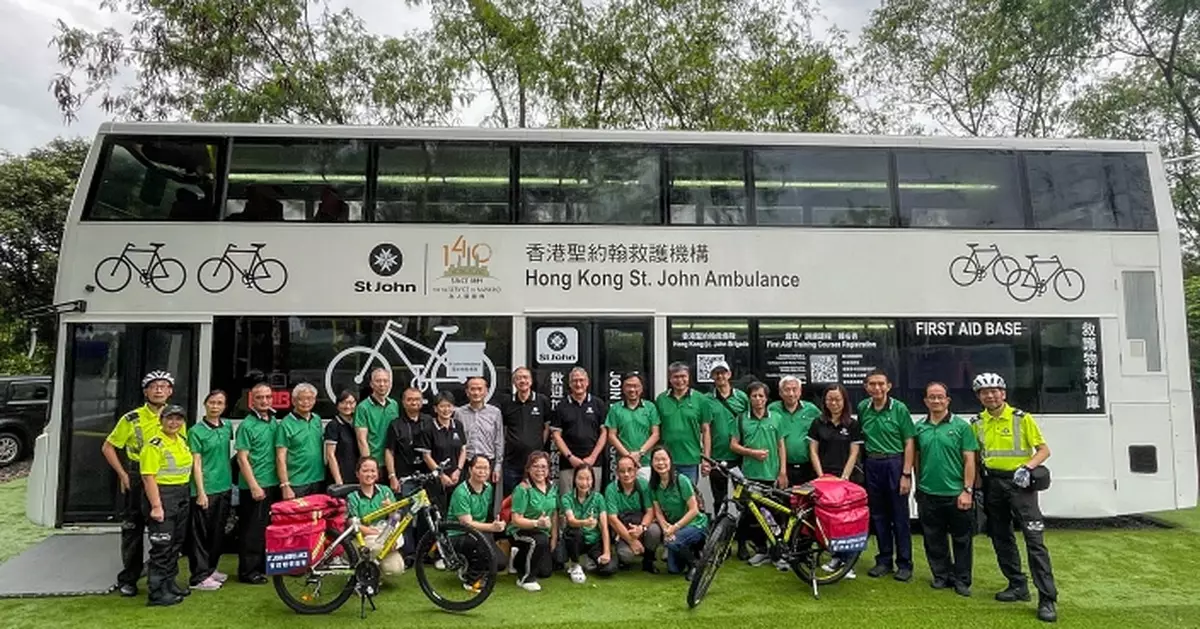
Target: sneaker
{"x":850,"y":575}
{"x":128,"y":590}
{"x":879,"y":570}
{"x":473,"y":587}
{"x":219,"y":577}
{"x":576,"y":574}
{"x":759,"y":559}
{"x":530,"y":586}
{"x":208,"y":585}
{"x":439,"y":564}
{"x":832,"y":565}
{"x":1047,"y":611}
{"x":903,"y":574}
{"x":782,"y":565}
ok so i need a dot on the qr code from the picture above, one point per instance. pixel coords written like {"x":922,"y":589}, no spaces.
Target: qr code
{"x":704,"y":363}
{"x":823,"y":368}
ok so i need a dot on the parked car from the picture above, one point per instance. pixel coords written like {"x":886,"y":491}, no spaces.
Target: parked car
{"x":24,"y":410}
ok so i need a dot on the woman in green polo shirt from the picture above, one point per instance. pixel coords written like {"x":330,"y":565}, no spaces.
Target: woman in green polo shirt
{"x":587,"y":528}
{"x":759,"y":441}
{"x":677,"y":509}
{"x":631,"y":516}
{"x":370,"y":497}
{"x":534,"y":526}
{"x":212,"y":489}
{"x":472,"y":504}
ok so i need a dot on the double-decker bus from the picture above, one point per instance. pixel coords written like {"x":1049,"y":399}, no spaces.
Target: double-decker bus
{"x":234,"y":254}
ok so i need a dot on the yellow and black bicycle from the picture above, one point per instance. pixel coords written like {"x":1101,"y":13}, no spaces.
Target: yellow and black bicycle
{"x":454,"y":562}
{"x":792,"y":541}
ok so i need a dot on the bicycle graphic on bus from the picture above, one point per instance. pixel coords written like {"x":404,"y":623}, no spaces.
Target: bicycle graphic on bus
{"x":448,"y":362}
{"x":267,"y":275}
{"x":966,"y":270}
{"x":165,"y":275}
{"x":1023,"y":283}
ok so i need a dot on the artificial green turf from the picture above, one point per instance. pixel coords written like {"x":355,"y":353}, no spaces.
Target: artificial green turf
{"x":1107,"y":578}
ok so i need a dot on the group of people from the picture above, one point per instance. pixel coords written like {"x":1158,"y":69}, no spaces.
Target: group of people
{"x":662,"y":445}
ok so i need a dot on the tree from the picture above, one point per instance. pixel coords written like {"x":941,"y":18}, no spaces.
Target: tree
{"x":252,"y":61}
{"x":984,"y":67}
{"x":35,"y":194}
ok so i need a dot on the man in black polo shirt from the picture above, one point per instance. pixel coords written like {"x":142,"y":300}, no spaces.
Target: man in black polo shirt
{"x":526,"y":427}
{"x":578,"y":429}
{"x":403,"y":437}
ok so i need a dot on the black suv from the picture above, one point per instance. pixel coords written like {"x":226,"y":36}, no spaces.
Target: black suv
{"x":24,"y":409}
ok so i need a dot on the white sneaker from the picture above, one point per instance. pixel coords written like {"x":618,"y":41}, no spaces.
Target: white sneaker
{"x":220,"y":577}
{"x":530,"y":586}
{"x":576,"y":573}
{"x":782,"y":566}
{"x":208,"y":585}
{"x":439,"y":564}
{"x":832,"y":565}
{"x":759,"y":559}
{"x":850,"y":575}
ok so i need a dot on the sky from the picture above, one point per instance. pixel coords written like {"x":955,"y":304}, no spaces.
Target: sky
{"x":29,"y":116}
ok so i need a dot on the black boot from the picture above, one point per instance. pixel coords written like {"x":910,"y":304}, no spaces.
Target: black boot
{"x":1047,"y":611}
{"x":648,"y":565}
{"x":1013,"y":594}
{"x":174,"y":588}
{"x":165,"y":600}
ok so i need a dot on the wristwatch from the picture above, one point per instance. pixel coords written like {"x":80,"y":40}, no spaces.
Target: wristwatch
{"x":906,"y":474}
{"x":969,"y":490}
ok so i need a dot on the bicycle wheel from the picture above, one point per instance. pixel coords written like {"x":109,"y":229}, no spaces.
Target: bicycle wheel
{"x":168,"y":275}
{"x":215,"y":274}
{"x":1069,"y":284}
{"x":113,"y":274}
{"x":963,"y":270}
{"x":361,"y":369}
{"x":322,"y":588}
{"x":470,"y":567}
{"x":1003,"y":267}
{"x":269,"y":277}
{"x":813,"y":558}
{"x":1022,"y":285}
{"x":716,"y":550}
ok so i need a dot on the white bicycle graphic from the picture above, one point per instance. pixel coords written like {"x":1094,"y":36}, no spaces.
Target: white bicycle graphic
{"x":426,"y":375}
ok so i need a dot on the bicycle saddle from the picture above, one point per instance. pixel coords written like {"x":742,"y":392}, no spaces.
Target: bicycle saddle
{"x":341,"y":491}
{"x":446,"y":329}
{"x":158,"y":244}
{"x":258,"y":245}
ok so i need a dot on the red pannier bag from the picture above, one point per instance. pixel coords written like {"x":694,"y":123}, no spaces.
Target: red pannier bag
{"x":300,"y":532}
{"x":843,"y":519}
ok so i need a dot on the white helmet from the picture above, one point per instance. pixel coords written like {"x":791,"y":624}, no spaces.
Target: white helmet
{"x":988,"y":381}
{"x":158,"y":375}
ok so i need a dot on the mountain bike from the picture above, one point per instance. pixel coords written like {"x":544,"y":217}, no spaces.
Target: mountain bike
{"x":795,"y":542}
{"x":165,"y":275}
{"x":266,"y":275}
{"x":1025,"y":284}
{"x":463,"y":579}
{"x":966,"y":270}
{"x":425,"y":375}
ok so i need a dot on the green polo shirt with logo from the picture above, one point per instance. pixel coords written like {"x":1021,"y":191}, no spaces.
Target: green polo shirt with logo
{"x":940,"y":450}
{"x":533,"y":503}
{"x":211,"y":443}
{"x":681,"y":421}
{"x":256,"y":435}
{"x":794,"y":427}
{"x":673,"y":501}
{"x":619,"y":502}
{"x":304,"y":440}
{"x":760,"y":433}
{"x":466,"y":501}
{"x":724,"y":421}
{"x":376,"y":418}
{"x":886,"y":429}
{"x":633,"y":426}
{"x":592,"y":506}
{"x":359,"y":505}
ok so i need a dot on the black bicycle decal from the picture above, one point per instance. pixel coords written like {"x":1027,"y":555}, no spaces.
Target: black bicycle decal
{"x":966,"y":270}
{"x":165,"y":275}
{"x":266,"y":275}
{"x":1025,"y":284}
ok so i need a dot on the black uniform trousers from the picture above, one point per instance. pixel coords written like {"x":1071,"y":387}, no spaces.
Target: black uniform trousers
{"x":207,"y":536}
{"x":577,"y":548}
{"x":948,"y":532}
{"x":719,"y":484}
{"x":253,"y":518}
{"x":800,"y":473}
{"x":1004,"y":501}
{"x":133,"y":529}
{"x":307,"y":490}
{"x":166,"y":540}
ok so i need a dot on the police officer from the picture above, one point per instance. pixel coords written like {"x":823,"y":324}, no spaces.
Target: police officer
{"x":1012,"y":447}
{"x":131,"y":434}
{"x":166,"y":467}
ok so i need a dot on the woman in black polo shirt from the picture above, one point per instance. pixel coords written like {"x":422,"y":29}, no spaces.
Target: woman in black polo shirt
{"x":341,"y":444}
{"x":835,"y":442}
{"x":443,"y":439}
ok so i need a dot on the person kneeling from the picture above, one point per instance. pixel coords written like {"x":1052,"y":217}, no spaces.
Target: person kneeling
{"x":587,"y":528}
{"x":471,"y":504}
{"x":631,"y":517}
{"x":369,"y":498}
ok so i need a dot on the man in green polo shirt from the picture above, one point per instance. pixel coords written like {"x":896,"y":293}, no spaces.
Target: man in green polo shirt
{"x":795,"y":417}
{"x":258,"y":483}
{"x":946,"y":447}
{"x":685,"y":417}
{"x":888,"y":428}
{"x":758,"y":441}
{"x":726,"y":405}
{"x":299,"y":446}
{"x":373,"y":415}
{"x":633,"y":425}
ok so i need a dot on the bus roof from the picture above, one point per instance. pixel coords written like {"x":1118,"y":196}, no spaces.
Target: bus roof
{"x":725,"y":138}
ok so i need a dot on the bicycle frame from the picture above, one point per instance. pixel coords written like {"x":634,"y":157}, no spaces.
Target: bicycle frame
{"x":787,"y":529}
{"x":153,"y":264}
{"x":419,"y":375}
{"x":255,"y":262}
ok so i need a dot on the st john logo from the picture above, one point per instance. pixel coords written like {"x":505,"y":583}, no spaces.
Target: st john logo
{"x":385,"y":259}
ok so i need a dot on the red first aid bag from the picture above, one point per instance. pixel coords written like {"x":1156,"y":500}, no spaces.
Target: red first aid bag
{"x":301,"y":530}
{"x":314,"y":508}
{"x":843,"y":519}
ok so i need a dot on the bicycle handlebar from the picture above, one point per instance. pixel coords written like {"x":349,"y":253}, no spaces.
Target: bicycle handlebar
{"x":426,"y":476}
